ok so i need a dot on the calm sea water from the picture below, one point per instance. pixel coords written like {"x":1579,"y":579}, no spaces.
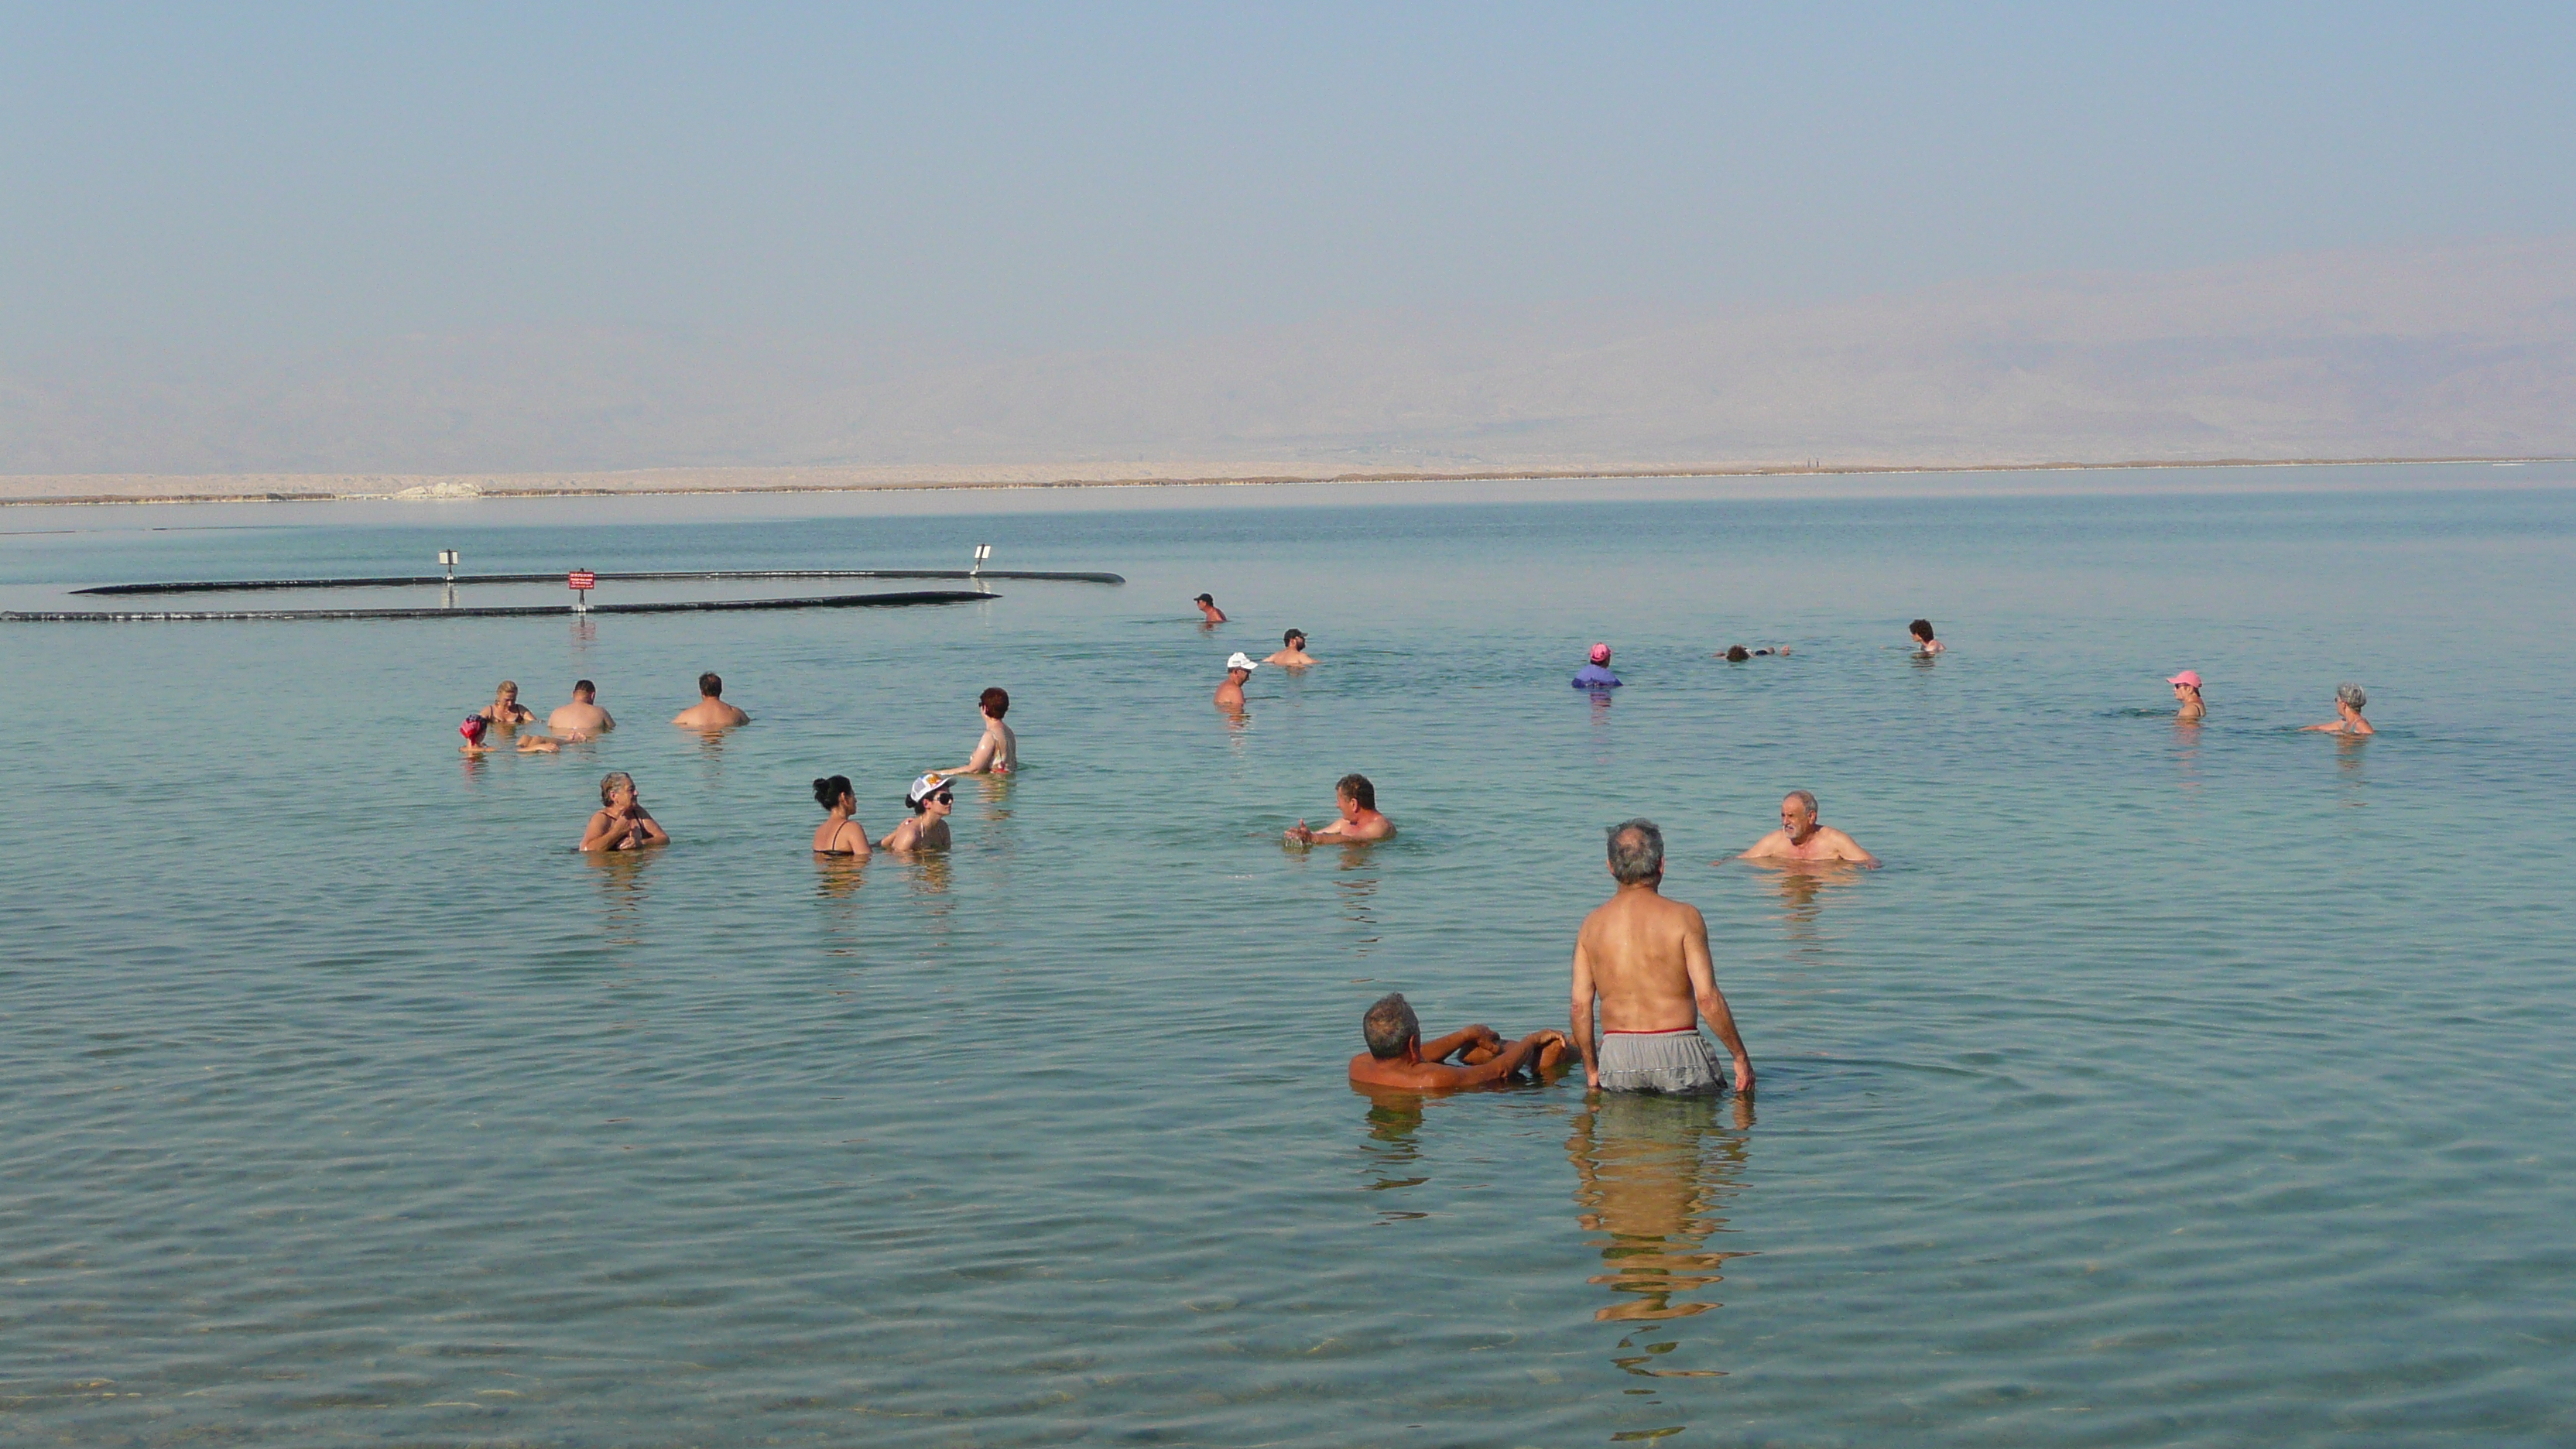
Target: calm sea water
{"x":2167,"y":1086}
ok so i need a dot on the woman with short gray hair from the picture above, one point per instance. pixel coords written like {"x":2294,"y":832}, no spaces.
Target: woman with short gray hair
{"x":2350,"y":700}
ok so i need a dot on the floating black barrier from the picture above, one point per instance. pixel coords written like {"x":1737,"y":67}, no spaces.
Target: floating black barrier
{"x":219,"y":586}
{"x":515,"y":611}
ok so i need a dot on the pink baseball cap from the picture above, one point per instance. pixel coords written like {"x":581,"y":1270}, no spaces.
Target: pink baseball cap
{"x":2188,"y":676}
{"x":472,"y":729}
{"x":1600,"y":653}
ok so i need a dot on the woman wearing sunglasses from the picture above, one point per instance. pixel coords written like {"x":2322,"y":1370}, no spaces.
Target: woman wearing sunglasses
{"x":931,"y":801}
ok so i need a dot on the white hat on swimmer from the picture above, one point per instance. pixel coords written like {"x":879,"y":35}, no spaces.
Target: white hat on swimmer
{"x":925,"y":787}
{"x":1244,"y":662}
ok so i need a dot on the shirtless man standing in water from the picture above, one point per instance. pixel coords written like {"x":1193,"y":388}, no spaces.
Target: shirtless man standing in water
{"x":583,"y":717}
{"x":1229,"y":695}
{"x":1292,"y":651}
{"x":1800,"y":837}
{"x":710,"y":712}
{"x":1645,"y":959}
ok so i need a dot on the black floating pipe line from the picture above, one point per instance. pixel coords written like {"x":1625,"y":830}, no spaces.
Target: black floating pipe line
{"x":515,"y":611}
{"x":217,"y":586}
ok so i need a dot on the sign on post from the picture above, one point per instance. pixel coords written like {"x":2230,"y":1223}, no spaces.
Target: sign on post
{"x":582,"y":581}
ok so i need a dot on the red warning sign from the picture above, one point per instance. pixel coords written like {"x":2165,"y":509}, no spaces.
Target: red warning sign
{"x":584,"y":579}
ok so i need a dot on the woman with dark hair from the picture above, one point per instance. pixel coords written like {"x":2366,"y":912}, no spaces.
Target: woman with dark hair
{"x":1924,"y":643}
{"x":1737,"y":653}
{"x":931,"y":801}
{"x":841,"y":834}
{"x":998,"y":752}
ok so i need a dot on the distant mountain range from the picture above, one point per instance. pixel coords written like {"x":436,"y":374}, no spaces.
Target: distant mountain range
{"x":2441,"y":351}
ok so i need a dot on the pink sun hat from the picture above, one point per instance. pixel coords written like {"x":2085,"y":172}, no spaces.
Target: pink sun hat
{"x":1600,"y":653}
{"x":2188,"y":676}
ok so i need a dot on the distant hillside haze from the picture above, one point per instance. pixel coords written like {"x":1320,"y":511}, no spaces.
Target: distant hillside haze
{"x":2448,"y":351}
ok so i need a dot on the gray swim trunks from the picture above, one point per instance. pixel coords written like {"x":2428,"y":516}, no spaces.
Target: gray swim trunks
{"x":1677,"y":1062}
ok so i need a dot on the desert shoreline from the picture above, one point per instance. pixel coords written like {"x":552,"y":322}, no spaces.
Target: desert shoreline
{"x":31,"y":490}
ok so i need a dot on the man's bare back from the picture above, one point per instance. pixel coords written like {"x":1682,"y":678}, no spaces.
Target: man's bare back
{"x":583,"y":717}
{"x":710,"y":712}
{"x":1801,"y":837}
{"x":1645,"y":960}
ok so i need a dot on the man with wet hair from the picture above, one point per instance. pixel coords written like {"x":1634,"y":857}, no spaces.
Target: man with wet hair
{"x":1356,"y":798}
{"x":1802,"y":837}
{"x":1398,"y":1057}
{"x":710,"y":712}
{"x":1644,"y":960}
{"x":583,"y":717}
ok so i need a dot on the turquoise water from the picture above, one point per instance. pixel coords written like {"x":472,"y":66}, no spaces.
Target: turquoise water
{"x":2167,"y":1086}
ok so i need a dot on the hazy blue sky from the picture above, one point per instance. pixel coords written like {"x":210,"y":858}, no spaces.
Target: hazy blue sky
{"x":1042,"y":178}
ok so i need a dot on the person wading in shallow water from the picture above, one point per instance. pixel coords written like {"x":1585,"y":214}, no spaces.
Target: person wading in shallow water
{"x":1398,"y":1057}
{"x":1802,"y":837}
{"x":2187,"y":706}
{"x":583,"y":717}
{"x":1644,"y":959}
{"x":840,"y":833}
{"x":1356,"y":798}
{"x":710,"y":712}
{"x":621,"y":822}
{"x":2350,"y":701}
{"x":1238,"y":669}
{"x":931,"y":800}
{"x":1208,"y":609}
{"x":998,"y":752}
{"x":1292,"y":651}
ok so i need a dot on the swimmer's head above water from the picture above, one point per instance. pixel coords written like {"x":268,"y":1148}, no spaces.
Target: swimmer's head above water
{"x":1356,"y":788}
{"x":1600,"y":654}
{"x":472,"y":729}
{"x":2352,"y":697}
{"x":994,"y":702}
{"x":928,"y":791}
{"x":1922,"y":630}
{"x":1390,"y":1026}
{"x":612,"y":783}
{"x":829,"y":792}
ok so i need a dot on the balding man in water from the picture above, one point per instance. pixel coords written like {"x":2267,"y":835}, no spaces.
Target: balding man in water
{"x":1645,"y":960}
{"x":583,"y":717}
{"x":1802,"y":837}
{"x":1398,"y":1057}
{"x":710,"y":712}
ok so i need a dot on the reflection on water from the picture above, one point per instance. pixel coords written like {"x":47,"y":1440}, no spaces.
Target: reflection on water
{"x":1806,"y":887}
{"x":992,"y":796}
{"x":1392,"y":1157}
{"x":621,"y":890}
{"x":1650,"y":1174}
{"x":2351,"y":753}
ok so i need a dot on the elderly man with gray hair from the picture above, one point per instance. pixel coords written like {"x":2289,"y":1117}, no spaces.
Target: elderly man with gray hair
{"x":1801,"y":837}
{"x":1644,"y":959}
